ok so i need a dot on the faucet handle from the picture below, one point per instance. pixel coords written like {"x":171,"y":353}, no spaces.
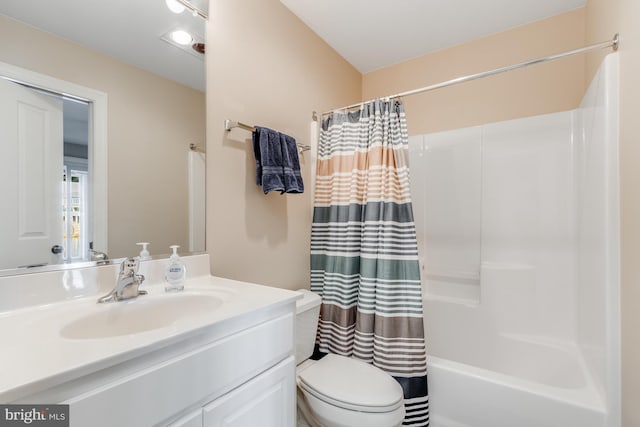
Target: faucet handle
{"x":129,"y":266}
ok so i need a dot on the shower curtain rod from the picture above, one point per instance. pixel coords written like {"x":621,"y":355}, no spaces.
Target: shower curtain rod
{"x":614,"y":43}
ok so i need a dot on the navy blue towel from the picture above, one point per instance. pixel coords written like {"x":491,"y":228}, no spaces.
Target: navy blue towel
{"x":291,"y":165}
{"x":267,"y":149}
{"x":277,"y":162}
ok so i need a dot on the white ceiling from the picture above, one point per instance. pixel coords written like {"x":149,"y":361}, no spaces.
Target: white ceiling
{"x":373,"y":34}
{"x":129,"y":30}
{"x":370,"y":34}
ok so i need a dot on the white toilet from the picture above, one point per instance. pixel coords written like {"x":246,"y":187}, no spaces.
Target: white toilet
{"x":338,"y":391}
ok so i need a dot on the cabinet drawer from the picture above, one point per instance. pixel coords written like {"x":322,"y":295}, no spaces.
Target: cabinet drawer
{"x":266,"y":401}
{"x":197,"y":376}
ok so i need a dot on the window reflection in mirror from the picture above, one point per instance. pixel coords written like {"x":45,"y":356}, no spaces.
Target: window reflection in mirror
{"x":75,"y":183}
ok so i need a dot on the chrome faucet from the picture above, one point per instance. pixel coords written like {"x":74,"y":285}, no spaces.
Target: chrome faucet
{"x":100,"y":257}
{"x":128,"y":282}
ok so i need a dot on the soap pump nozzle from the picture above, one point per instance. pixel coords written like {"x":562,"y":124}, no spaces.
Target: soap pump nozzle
{"x":144,"y":253}
{"x":174,"y":248}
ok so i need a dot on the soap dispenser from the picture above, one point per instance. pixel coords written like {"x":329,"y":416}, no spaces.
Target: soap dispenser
{"x":144,"y":253}
{"x":176,"y":272}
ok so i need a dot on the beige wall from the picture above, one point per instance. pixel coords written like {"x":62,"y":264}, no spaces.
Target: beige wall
{"x":264,"y":67}
{"x":151,"y":121}
{"x":604,"y":18}
{"x":549,"y":87}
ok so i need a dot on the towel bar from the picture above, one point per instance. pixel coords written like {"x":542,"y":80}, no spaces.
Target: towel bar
{"x":229,"y":124}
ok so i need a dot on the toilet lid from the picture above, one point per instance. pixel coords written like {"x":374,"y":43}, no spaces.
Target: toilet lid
{"x":351,"y":384}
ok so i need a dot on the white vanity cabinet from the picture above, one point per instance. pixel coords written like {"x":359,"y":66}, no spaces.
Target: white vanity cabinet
{"x":239,"y":374}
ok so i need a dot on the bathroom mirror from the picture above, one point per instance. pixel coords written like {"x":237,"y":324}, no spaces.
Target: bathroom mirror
{"x":148,"y":181}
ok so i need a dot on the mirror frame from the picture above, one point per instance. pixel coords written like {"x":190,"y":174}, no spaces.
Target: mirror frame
{"x":98,"y":198}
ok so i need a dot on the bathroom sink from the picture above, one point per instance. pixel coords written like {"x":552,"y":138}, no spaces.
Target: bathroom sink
{"x":139,"y":315}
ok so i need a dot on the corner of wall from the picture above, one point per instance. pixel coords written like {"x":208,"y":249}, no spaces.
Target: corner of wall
{"x":264,"y":67}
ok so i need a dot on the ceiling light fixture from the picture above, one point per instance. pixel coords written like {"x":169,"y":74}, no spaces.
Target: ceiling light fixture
{"x":178,"y":6}
{"x":181,"y":37}
{"x":195,"y":48}
{"x":175,"y":6}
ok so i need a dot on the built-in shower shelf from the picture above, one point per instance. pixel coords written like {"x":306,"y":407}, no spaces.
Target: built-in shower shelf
{"x":455,"y":288}
{"x":454,"y":276}
{"x":471,"y":303}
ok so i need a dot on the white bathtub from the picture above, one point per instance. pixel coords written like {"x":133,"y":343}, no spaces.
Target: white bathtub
{"x":479,"y":377}
{"x":518,"y":234}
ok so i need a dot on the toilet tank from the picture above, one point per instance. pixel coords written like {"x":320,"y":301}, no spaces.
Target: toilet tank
{"x":307,"y":312}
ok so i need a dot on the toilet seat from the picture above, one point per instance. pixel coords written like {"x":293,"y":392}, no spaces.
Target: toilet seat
{"x":351,"y":384}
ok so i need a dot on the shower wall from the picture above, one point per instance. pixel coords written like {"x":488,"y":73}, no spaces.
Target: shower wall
{"x":517,"y":227}
{"x":598,"y":232}
{"x":494,"y":214}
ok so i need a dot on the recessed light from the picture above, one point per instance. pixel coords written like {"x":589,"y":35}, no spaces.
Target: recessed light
{"x":188,"y":47}
{"x":175,"y":6}
{"x":181,"y":37}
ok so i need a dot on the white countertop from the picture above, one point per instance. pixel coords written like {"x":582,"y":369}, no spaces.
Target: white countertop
{"x":36,"y":356}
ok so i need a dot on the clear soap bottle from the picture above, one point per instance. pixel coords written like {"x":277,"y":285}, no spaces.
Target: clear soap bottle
{"x":176,"y":272}
{"x":144,"y":253}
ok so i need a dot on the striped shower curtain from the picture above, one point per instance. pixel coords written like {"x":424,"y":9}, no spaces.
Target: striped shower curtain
{"x":364,"y":256}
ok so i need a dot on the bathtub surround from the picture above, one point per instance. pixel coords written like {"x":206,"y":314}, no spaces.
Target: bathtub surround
{"x":363,"y":249}
{"x":605,"y":17}
{"x":518,"y":229}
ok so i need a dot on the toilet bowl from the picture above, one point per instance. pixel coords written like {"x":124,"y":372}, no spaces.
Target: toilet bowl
{"x":338,"y":391}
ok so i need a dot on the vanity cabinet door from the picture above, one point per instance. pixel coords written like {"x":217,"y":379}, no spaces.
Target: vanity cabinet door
{"x":268,"y":400}
{"x":193,"y":419}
